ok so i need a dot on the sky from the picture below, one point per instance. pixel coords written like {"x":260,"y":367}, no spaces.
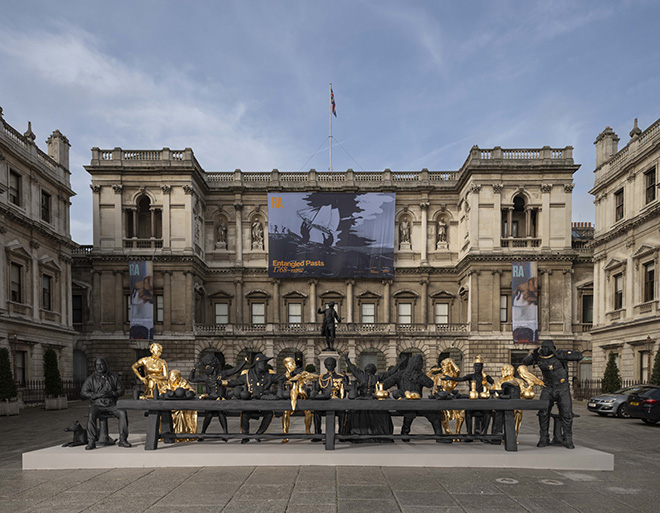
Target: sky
{"x":246,"y":83}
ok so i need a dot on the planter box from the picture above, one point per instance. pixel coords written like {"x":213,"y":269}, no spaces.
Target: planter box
{"x":8,"y":408}
{"x":57,"y":403}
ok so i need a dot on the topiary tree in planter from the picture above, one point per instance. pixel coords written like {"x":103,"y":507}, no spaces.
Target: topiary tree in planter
{"x":655,"y":373}
{"x":611,"y":378}
{"x":55,"y":398}
{"x":8,"y":388}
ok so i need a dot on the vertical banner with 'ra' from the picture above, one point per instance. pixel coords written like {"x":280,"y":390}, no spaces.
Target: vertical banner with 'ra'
{"x":141,"y":299}
{"x":524,"y":303}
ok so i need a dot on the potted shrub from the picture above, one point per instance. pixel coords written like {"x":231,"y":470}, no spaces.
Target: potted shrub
{"x":8,"y":392}
{"x":54,"y":392}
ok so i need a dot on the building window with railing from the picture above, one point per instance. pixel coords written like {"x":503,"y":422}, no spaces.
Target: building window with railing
{"x":46,"y":291}
{"x":368,"y":313}
{"x":649,"y":281}
{"x":650,"y":185}
{"x":16,"y":282}
{"x":442,"y":313}
{"x":258,"y":313}
{"x":15,"y":188}
{"x":618,"y":202}
{"x":618,"y":291}
{"x":519,"y":221}
{"x":20,"y":360}
{"x":45,"y":206}
{"x":144,"y":225}
{"x":221,"y":313}
{"x":294,"y":313}
{"x":404,"y":313}
{"x":587,"y":309}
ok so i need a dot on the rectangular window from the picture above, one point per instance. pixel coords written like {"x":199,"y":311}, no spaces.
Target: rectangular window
{"x":618,"y":291}
{"x":45,"y":206}
{"x":46,"y":284}
{"x":16,"y":283}
{"x":587,"y":308}
{"x":517,"y":357}
{"x":130,"y":223}
{"x":21,"y":367}
{"x":127,"y":302}
{"x":514,"y":229}
{"x":442,"y":313}
{"x":77,"y":309}
{"x":504,"y":308}
{"x":618,"y":202}
{"x":295,"y":313}
{"x":15,"y":188}
{"x":258,"y":313}
{"x":644,"y":364}
{"x":222,"y":313}
{"x":159,"y":309}
{"x":649,"y":182}
{"x":405,"y":313}
{"x":649,"y":281}
{"x":368,"y":313}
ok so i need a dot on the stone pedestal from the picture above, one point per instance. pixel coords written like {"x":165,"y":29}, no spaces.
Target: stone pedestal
{"x":442,"y":246}
{"x":405,"y":246}
{"x":221,"y":245}
{"x":329,"y":354}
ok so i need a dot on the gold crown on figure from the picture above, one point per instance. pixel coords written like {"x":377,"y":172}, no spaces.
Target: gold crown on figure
{"x":478,"y":359}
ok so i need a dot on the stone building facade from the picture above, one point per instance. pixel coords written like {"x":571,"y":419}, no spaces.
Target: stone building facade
{"x":457,"y":234}
{"x":626,"y":248}
{"x":35,"y":259}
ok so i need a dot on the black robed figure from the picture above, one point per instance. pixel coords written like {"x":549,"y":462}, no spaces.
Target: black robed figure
{"x":328,"y":329}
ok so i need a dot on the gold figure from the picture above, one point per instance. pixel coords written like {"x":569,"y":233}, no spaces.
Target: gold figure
{"x":183,"y":421}
{"x":296,"y":383}
{"x":530,"y":380}
{"x":155,"y":372}
{"x":447,"y":367}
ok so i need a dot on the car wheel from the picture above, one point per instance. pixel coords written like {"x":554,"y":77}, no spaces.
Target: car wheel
{"x":601,"y":414}
{"x":621,"y":412}
{"x":649,"y":421}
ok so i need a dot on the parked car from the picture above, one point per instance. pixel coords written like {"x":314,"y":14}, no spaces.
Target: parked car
{"x":645,"y":405}
{"x":616,"y":402}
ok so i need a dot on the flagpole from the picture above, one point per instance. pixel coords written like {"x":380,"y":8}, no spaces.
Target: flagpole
{"x":330,"y":126}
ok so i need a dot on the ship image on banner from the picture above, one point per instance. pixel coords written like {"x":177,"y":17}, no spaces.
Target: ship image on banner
{"x":340,"y":235}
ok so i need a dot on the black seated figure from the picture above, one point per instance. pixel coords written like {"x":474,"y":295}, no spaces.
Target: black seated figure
{"x":412,"y":379}
{"x":103,"y":388}
{"x":476,"y":421}
{"x":328,"y":327}
{"x":258,"y":381}
{"x":212,"y":376}
{"x":330,"y":385}
{"x":369,"y":422}
{"x":553,"y":363}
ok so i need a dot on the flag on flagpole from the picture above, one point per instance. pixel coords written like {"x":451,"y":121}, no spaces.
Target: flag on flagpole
{"x":332,"y":101}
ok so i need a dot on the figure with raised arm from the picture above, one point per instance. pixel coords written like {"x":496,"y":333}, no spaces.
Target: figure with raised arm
{"x":553,"y":363}
{"x":328,"y":329}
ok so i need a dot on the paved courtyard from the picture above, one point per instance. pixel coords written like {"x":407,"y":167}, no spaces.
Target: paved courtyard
{"x":633,"y":486}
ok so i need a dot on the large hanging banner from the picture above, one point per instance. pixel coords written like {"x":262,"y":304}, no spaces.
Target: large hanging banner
{"x":524,"y":303}
{"x":141,"y":279}
{"x":331,"y":235}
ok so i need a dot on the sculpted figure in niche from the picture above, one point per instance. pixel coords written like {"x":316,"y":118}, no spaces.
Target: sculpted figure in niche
{"x":442,"y":231}
{"x":404,"y":230}
{"x":221,"y":232}
{"x":257,"y":235}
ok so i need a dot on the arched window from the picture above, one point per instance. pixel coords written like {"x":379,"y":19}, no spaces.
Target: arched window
{"x":144,"y":222}
{"x":519,"y":221}
{"x":286,"y":353}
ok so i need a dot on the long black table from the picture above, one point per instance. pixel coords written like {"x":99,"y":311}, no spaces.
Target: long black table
{"x":159,"y":422}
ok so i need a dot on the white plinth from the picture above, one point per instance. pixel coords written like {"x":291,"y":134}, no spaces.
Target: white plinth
{"x":273,"y":453}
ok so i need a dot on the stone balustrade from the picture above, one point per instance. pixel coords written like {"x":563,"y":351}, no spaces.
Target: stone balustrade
{"x":314,"y":329}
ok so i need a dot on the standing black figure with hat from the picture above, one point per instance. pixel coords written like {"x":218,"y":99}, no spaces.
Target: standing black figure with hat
{"x":553,"y":363}
{"x":257,"y":380}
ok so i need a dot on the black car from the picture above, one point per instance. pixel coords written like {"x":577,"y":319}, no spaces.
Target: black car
{"x":645,"y":405}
